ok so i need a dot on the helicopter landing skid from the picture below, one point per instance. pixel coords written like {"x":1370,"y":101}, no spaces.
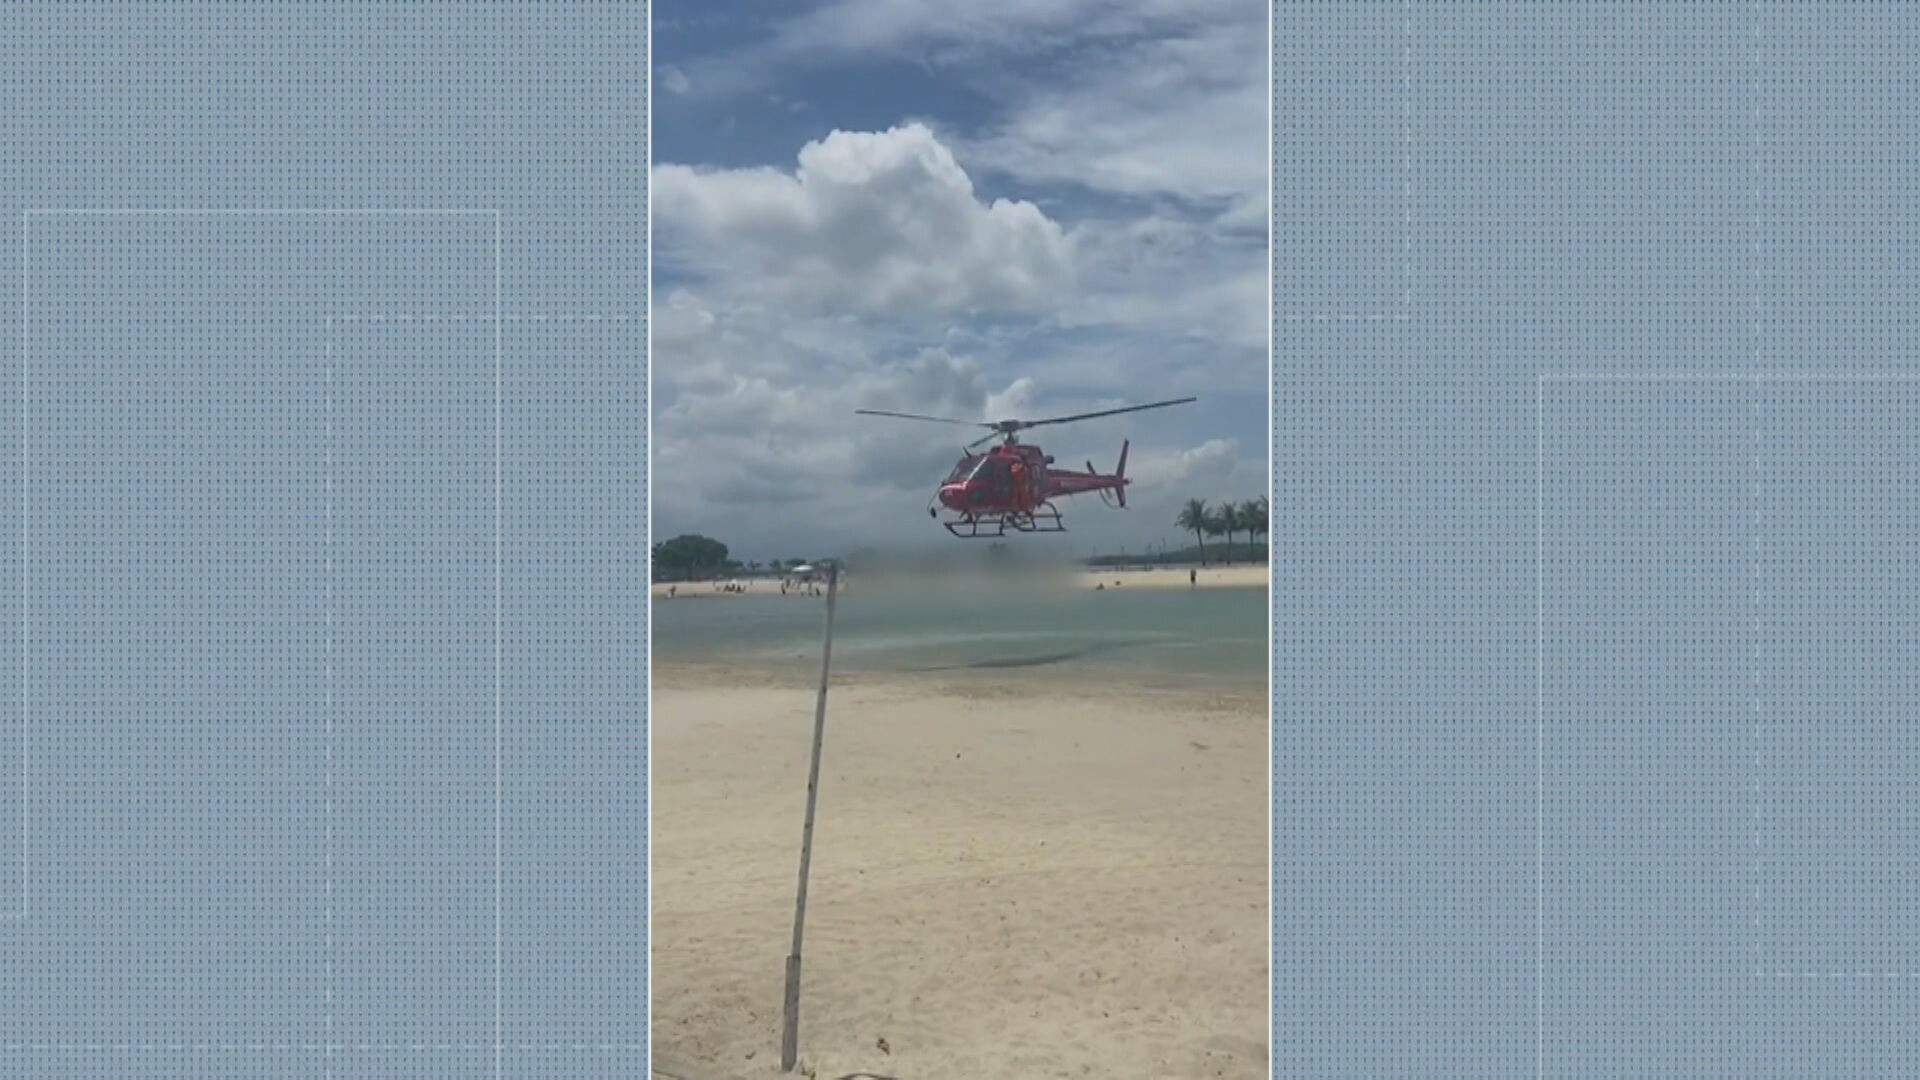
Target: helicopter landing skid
{"x":1042,"y":519}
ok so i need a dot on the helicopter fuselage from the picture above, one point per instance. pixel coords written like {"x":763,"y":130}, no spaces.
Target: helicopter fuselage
{"x":1017,"y":482}
{"x":1013,"y":485}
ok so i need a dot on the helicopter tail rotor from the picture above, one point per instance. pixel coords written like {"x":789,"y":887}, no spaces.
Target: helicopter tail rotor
{"x":1116,"y":495}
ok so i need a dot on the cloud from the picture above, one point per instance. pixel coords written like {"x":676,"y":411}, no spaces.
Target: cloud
{"x":675,"y":80}
{"x":1028,"y":25}
{"x":779,"y":428}
{"x":679,"y":319}
{"x":1172,"y":276}
{"x":1013,"y":403}
{"x":881,"y":223}
{"x":1213,"y":459}
{"x":951,"y":35}
{"x":1131,"y":97}
{"x":1182,"y":116}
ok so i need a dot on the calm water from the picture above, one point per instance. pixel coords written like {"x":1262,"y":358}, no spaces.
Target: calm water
{"x":1216,"y":633}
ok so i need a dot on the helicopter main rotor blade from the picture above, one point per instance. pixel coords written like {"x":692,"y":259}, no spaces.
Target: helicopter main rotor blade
{"x":1106,"y":412}
{"x":917,"y":416}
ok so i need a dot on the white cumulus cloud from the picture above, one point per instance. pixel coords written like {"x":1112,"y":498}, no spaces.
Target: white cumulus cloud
{"x":874,"y":222}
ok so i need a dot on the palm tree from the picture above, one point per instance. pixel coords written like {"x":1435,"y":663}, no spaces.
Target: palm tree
{"x":1193,"y":518}
{"x":1256,"y":521}
{"x":1225,"y":523}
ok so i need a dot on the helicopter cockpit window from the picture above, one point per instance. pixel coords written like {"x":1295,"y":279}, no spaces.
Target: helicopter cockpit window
{"x":964,"y":470}
{"x":994,"y":472}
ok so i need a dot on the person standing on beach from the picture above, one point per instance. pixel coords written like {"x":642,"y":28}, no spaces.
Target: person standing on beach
{"x":1193,"y":577}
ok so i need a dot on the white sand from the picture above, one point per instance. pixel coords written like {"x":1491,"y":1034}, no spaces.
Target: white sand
{"x":1175,"y":577}
{"x":1018,"y":880}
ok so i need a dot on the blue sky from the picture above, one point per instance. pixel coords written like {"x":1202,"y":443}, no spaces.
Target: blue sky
{"x":1009,"y":208}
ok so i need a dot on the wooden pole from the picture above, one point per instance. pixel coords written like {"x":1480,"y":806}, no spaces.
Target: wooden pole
{"x":790,"y":1034}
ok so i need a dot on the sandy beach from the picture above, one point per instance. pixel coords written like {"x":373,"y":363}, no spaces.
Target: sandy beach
{"x":1012,"y":877}
{"x":1166,"y":577}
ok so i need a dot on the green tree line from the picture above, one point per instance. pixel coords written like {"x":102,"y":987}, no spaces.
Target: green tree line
{"x":692,"y":557}
{"x":1228,"y":519}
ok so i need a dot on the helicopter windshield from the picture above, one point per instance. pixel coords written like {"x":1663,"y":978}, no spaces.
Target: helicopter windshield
{"x":964,"y":470}
{"x":993,"y":471}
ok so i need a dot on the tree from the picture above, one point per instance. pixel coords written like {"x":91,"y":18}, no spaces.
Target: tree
{"x":1256,"y":522}
{"x":1193,"y":518}
{"x":687,"y":557}
{"x":1225,"y":521}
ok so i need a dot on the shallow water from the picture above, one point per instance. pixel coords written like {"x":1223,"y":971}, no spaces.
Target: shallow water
{"x":1219,"y":633}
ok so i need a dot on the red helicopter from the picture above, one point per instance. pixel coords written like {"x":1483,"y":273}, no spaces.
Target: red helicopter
{"x":1013,"y":485}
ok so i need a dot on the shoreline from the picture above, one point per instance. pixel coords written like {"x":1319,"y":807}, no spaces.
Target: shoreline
{"x":1175,"y":689}
{"x":1238,"y":576}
